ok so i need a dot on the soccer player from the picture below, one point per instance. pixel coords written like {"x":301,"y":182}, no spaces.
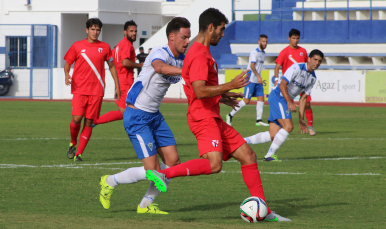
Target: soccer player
{"x":293,"y":54}
{"x":144,"y":124}
{"x":255,"y":87}
{"x":124,"y":59}
{"x":87,"y":83}
{"x":298,"y":79}
{"x":217,"y":141}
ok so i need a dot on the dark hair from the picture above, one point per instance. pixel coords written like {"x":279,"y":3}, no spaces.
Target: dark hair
{"x":176,"y":24}
{"x":294,"y":32}
{"x":129,"y":23}
{"x":150,"y":48}
{"x":263,"y":36}
{"x":316,"y":52}
{"x":211,"y":15}
{"x":141,"y":48}
{"x":94,"y":21}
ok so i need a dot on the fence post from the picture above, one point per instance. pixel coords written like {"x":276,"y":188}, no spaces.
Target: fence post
{"x":31,"y":62}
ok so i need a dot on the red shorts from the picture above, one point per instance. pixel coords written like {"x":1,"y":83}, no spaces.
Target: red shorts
{"x":309,"y":98}
{"x":88,"y":106}
{"x":122,"y":101}
{"x":213,"y":134}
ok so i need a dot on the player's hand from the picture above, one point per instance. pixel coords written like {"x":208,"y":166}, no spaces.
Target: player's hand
{"x":292,"y":107}
{"x":141,"y":65}
{"x":230,"y":101}
{"x":68,"y":79}
{"x":233,"y":95}
{"x":118,"y":93}
{"x":240,"y":80}
{"x":259,"y":80}
{"x":302,"y":127}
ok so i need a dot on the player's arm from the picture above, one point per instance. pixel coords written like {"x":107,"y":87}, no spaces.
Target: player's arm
{"x":115,"y":77}
{"x":259,"y":79}
{"x":203,"y":91}
{"x":67,"y":78}
{"x":284,"y":91}
{"x":277,"y":69}
{"x":165,"y":69}
{"x":130,"y":64}
{"x":302,"y":106}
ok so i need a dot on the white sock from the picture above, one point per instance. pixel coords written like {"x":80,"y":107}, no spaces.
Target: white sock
{"x":259,"y":110}
{"x":279,"y":139}
{"x":131,"y":175}
{"x":259,"y":138}
{"x":241,"y":104}
{"x":152,"y":191}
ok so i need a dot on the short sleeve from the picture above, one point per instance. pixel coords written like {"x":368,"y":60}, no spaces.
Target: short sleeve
{"x":158,"y":54}
{"x":109,"y":57}
{"x":253,"y":56}
{"x":291,"y":73}
{"x":305,"y":56}
{"x":199,"y":69}
{"x":71,"y":55}
{"x":124,"y":52}
{"x":280,"y":59}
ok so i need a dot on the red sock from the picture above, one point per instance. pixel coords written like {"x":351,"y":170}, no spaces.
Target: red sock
{"x":252,"y":179}
{"x":109,"y":117}
{"x":74,"y":129}
{"x":310,"y":117}
{"x":83,"y":140}
{"x":193,"y":167}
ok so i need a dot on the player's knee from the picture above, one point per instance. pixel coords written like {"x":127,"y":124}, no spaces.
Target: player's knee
{"x":216,"y":167}
{"x":289,"y":128}
{"x":77,"y":120}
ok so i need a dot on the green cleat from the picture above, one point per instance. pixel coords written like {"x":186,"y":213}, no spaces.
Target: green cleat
{"x":71,"y":151}
{"x":78,"y":158}
{"x":151,"y":209}
{"x":106,"y":192}
{"x":272,"y":158}
{"x":158,"y":179}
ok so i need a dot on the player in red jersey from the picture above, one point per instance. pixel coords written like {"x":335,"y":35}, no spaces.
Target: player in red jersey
{"x":87,"y":83}
{"x":217,"y":141}
{"x":124,"y":60}
{"x":290,"y":55}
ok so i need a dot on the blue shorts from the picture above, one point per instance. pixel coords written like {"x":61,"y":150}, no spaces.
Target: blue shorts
{"x":278,"y":108}
{"x":253,"y":89}
{"x":147,"y":131}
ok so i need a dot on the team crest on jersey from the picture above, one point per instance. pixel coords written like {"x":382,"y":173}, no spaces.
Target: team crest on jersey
{"x":301,"y":54}
{"x":215,"y":143}
{"x":100,"y":50}
{"x":150,"y":145}
{"x":83,"y":50}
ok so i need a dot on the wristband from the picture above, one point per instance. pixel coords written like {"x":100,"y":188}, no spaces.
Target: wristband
{"x":276,"y":79}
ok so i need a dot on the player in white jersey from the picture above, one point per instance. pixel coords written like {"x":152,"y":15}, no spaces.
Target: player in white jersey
{"x":144,"y":124}
{"x":298,"y":79}
{"x":255,"y":87}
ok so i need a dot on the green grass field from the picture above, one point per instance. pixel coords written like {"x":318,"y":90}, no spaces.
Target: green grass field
{"x":336,"y":179}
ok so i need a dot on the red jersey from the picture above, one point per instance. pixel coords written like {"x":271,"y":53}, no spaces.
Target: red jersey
{"x":123,"y":50}
{"x":200,"y":65}
{"x":88,"y":77}
{"x":288,"y":55}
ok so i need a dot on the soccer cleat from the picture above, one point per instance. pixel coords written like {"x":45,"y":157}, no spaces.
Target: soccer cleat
{"x":261,"y":123}
{"x":273,"y":217}
{"x":272,"y":158}
{"x":78,"y":158}
{"x":229,"y":119}
{"x":106,"y":192}
{"x":93,"y":125}
{"x":71,"y":151}
{"x":159,"y":180}
{"x":152,"y":209}
{"x":311,"y":130}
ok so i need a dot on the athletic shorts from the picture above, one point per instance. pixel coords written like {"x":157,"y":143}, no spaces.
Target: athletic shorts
{"x":147,"y":131}
{"x":309,"y":98}
{"x":278,"y":108}
{"x":122,"y":101}
{"x":253,"y":89}
{"x":213,"y":134}
{"x":88,"y":106}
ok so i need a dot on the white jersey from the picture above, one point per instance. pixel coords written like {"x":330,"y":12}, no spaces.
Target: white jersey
{"x":257,"y":56}
{"x":298,"y":79}
{"x":150,"y":87}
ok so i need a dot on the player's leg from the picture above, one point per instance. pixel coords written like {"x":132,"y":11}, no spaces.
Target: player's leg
{"x":248,"y":92}
{"x":78,"y":111}
{"x":259,"y":93}
{"x":309,"y":116}
{"x":114,"y":115}
{"x":264,"y":137}
{"x":92,"y":111}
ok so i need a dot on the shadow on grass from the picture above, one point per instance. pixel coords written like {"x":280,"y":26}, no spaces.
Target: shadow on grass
{"x":208,"y":207}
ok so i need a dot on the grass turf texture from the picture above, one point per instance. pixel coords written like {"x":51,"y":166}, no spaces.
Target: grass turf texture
{"x":52,"y":191}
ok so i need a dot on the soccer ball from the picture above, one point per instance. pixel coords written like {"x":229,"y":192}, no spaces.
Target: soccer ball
{"x":253,"y":209}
